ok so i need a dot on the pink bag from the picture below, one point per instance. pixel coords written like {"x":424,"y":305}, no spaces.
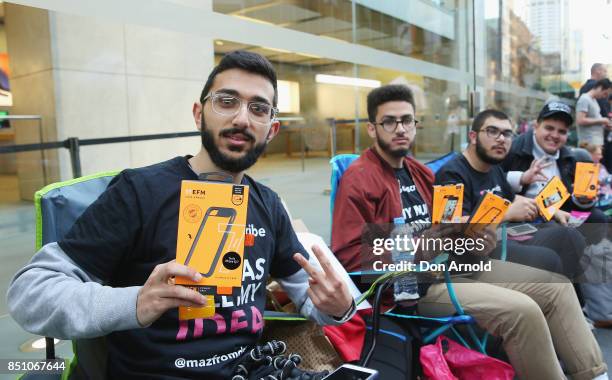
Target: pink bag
{"x":448,"y":360}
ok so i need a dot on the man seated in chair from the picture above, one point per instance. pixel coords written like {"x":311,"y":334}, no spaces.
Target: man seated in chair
{"x":527,"y":307}
{"x":478,"y":169}
{"x":112,"y":273}
{"x":544,"y":148}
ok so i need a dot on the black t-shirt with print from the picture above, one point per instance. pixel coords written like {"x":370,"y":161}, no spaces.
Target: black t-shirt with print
{"x":476,"y":183}
{"x":414,"y":209}
{"x":132,"y":228}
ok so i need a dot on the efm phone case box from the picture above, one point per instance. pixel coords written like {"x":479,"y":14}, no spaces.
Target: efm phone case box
{"x":210,"y":239}
{"x":551,"y":198}
{"x":586,"y":180}
{"x":447,"y":204}
{"x":490,"y":211}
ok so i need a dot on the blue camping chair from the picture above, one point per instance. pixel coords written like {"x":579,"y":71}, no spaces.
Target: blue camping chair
{"x":339,"y":164}
{"x":58,"y":206}
{"x":436,"y":164}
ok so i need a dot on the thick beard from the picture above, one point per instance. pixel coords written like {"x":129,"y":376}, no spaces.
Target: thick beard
{"x":398,"y":153}
{"x":482,"y":154}
{"x":222,"y":161}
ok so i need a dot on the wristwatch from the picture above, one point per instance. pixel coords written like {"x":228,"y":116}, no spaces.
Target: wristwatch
{"x":348,"y":313}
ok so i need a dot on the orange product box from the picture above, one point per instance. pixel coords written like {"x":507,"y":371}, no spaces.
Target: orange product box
{"x":551,"y":198}
{"x":490,"y":211}
{"x":210,"y":239}
{"x":447,"y":204}
{"x":586,"y":180}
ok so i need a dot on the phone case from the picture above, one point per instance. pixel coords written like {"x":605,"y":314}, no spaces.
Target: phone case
{"x":586,"y":180}
{"x":447,"y":204}
{"x":220,"y":212}
{"x":551,"y":198}
{"x":490,"y":211}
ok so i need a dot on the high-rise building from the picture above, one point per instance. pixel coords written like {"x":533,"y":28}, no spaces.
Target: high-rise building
{"x":548,"y":21}
{"x":576,"y":47}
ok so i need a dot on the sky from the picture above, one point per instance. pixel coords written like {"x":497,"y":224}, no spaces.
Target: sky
{"x":594,"y":18}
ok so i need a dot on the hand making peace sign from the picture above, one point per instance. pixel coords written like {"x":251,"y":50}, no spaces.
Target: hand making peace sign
{"x":328,"y":291}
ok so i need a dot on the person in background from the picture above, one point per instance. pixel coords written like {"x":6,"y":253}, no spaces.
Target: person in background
{"x":590,"y":121}
{"x":598,"y":72}
{"x":455,"y":122}
{"x":605,"y":180}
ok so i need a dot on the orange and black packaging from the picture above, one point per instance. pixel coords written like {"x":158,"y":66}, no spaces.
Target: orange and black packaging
{"x":211,"y":229}
{"x":490,"y":211}
{"x":551,"y":198}
{"x":447,"y":204}
{"x":586,"y":180}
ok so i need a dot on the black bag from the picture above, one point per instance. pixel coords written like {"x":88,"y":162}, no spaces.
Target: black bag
{"x":394,"y":355}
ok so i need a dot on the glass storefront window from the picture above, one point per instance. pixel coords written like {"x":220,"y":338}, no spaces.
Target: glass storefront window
{"x":426,"y":30}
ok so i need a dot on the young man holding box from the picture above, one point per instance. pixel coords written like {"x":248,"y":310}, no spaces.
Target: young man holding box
{"x":112,"y":273}
{"x":527,"y":307}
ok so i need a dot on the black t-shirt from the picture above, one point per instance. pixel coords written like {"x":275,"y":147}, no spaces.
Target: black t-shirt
{"x":414,"y":209}
{"x":132,"y":227}
{"x":476,"y":183}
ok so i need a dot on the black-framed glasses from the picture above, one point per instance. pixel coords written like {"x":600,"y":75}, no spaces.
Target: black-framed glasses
{"x":494,"y":132}
{"x":229,"y":105}
{"x":390,"y":124}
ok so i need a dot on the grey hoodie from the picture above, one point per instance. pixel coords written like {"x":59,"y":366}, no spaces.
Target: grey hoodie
{"x":52,"y":296}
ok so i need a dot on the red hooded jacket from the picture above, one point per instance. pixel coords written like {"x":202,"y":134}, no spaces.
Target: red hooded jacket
{"x":368,"y":193}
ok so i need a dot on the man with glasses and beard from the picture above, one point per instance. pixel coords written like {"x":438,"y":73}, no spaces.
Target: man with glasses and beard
{"x":478,"y":169}
{"x":112,"y":274}
{"x":535,"y":312}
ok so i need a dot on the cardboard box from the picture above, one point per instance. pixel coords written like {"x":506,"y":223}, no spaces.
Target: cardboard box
{"x":551,"y":198}
{"x":586,"y":180}
{"x":210,"y":239}
{"x":447,"y":204}
{"x":490,"y":211}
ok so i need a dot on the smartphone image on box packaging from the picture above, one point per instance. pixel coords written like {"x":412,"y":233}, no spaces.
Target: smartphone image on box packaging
{"x":447,"y":203}
{"x":211,"y":236}
{"x":586,"y":180}
{"x":449,"y":209}
{"x":488,"y":217}
{"x":490,"y":211}
{"x":590,"y":185}
{"x":551,"y":198}
{"x":352,"y":372}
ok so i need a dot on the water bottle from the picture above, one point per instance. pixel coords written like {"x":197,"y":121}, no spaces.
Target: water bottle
{"x":405,"y":288}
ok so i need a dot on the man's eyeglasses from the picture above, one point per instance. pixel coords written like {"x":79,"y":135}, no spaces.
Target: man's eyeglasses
{"x":390,"y":124}
{"x":230,"y":105}
{"x":494,"y":133}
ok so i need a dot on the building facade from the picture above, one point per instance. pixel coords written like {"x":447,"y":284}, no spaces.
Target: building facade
{"x":94,"y":69}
